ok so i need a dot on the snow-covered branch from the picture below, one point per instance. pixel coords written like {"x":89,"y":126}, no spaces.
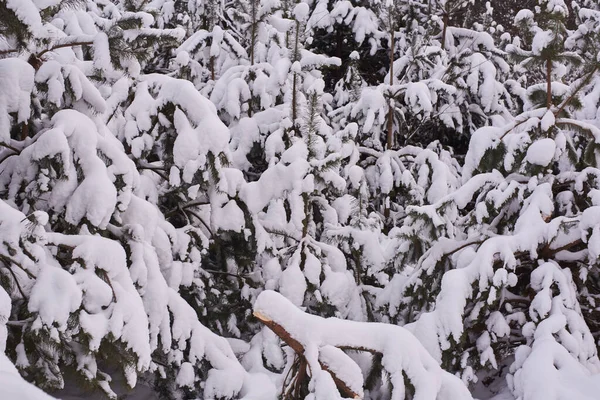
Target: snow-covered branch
{"x":403,"y":354}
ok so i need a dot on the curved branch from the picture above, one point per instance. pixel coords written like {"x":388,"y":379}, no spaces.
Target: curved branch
{"x":299,"y":349}
{"x":60,"y":46}
{"x":403,"y":354}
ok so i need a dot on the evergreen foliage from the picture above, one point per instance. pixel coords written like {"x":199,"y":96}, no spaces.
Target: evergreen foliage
{"x":421,"y":177}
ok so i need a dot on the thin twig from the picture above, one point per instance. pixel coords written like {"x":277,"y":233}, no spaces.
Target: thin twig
{"x":8,"y":146}
{"x":572,"y":95}
{"x":19,"y":323}
{"x":199,"y":219}
{"x":213,"y":271}
{"x":60,"y":46}
{"x":17,"y":284}
{"x":9,"y":260}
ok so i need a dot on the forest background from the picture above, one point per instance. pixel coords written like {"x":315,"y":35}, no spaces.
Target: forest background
{"x":189,"y":187}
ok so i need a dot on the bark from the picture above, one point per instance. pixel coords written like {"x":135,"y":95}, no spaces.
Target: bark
{"x":253,"y":32}
{"x":446,"y":21}
{"x":295,"y":81}
{"x":24,"y":131}
{"x":548,"y":84}
{"x":390,"y":127}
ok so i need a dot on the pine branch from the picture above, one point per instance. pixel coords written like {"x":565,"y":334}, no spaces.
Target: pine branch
{"x":282,"y":233}
{"x":199,"y":219}
{"x":212,"y":271}
{"x":577,"y":90}
{"x":71,"y":4}
{"x":10,"y":147}
{"x":299,"y":349}
{"x":160,"y":171}
{"x":548,"y":252}
{"x":20,"y":323}
{"x":9,"y":260}
{"x":60,"y":46}
{"x":186,"y":206}
{"x":16,"y":281}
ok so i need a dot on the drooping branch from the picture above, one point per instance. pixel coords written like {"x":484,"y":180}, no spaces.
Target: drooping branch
{"x":314,"y":337}
{"x":15,"y":279}
{"x":60,"y":46}
{"x":299,"y":349}
{"x":10,"y":261}
{"x":548,"y":84}
{"x":9,"y":51}
{"x":581,"y":85}
{"x":35,"y":60}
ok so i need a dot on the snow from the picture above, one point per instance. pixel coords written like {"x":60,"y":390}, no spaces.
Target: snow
{"x":27,"y":12}
{"x":15,"y":387}
{"x":292,"y":283}
{"x":541,"y":152}
{"x":229,"y":218}
{"x":5,"y":306}
{"x":301,"y":12}
{"x":127,"y":319}
{"x":273,"y":183}
{"x":547,"y":121}
{"x":569,"y":358}
{"x":152,"y":202}
{"x":541,"y":40}
{"x":56,"y":284}
{"x":186,"y":375}
{"x":402,"y":352}
{"x":95,"y":198}
{"x":523,"y":15}
{"x":16,"y":86}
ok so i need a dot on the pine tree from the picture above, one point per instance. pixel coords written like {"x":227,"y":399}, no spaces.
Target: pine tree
{"x":503,"y":275}
{"x":91,"y":266}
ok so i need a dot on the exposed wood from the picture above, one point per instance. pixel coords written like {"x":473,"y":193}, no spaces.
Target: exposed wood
{"x":299,"y":349}
{"x":548,"y":252}
{"x":584,"y":82}
{"x":24,"y":131}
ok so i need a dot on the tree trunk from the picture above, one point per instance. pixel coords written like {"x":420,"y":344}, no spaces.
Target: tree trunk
{"x":295,"y":81}
{"x":390,"y":127}
{"x":548,"y":84}
{"x":24,"y":131}
{"x":446,"y":21}
{"x":253,"y":32}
